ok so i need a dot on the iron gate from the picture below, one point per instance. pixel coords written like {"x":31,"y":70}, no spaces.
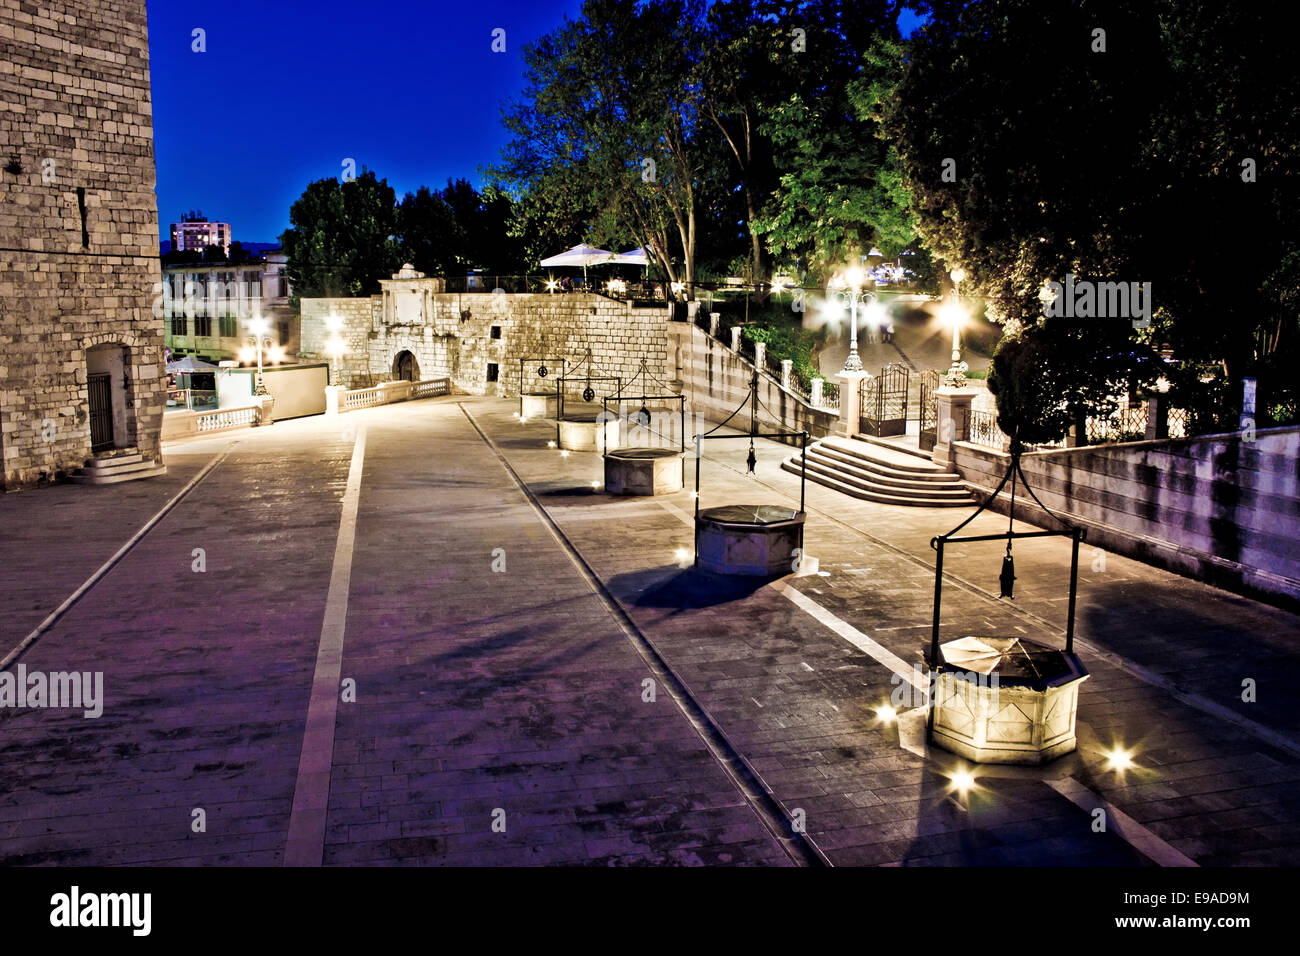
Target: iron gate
{"x":884,"y":402}
{"x":100,"y":389}
{"x":929,"y":409}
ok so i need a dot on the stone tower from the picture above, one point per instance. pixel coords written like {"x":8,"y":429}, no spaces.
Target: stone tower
{"x":80,"y":347}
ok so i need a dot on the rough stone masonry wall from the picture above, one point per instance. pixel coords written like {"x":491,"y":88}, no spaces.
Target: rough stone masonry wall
{"x":353,"y":367}
{"x":456,"y":337}
{"x":715,"y":380}
{"x":1215,"y":508}
{"x":75,"y":111}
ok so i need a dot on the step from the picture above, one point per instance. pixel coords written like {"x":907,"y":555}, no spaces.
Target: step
{"x":866,"y":483}
{"x":884,"y":455}
{"x":887,"y":499}
{"x":871,"y":475}
{"x":129,"y":472}
{"x":105,"y":465}
{"x":865,"y":460}
{"x":118,"y":454}
{"x":895,"y":446}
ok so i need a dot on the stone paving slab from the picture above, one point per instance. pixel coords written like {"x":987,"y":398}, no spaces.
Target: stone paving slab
{"x":518,"y":690}
{"x":205,"y":674}
{"x":772,"y":704}
{"x":517,"y":687}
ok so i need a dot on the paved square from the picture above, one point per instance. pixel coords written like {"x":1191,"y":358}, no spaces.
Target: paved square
{"x":507,"y":690}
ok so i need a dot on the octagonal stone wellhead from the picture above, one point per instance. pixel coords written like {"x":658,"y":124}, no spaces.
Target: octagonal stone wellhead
{"x":1004,"y":699}
{"x":643,"y":471}
{"x":752,"y":540}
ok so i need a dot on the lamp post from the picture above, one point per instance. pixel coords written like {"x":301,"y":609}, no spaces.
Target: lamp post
{"x":334,"y":347}
{"x":260,"y":330}
{"x":850,"y":284}
{"x":956,"y":377}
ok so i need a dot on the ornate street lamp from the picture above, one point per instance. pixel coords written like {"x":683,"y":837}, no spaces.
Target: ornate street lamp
{"x":260,"y":329}
{"x":955,"y":316}
{"x":849,"y":286}
{"x":334,"y":347}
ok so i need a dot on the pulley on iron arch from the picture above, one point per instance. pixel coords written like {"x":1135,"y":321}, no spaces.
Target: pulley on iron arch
{"x":1007,"y":577}
{"x":751,"y":460}
{"x":588,"y":393}
{"x":643,"y":416}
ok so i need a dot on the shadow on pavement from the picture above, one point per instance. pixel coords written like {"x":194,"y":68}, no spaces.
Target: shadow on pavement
{"x":681,"y":589}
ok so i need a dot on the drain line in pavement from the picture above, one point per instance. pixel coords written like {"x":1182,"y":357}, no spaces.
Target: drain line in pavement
{"x":108,"y":565}
{"x":305,"y":843}
{"x":799,"y":847}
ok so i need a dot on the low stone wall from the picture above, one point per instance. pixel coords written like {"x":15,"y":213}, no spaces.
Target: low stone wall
{"x":715,"y":380}
{"x":452,"y":334}
{"x":1215,"y":508}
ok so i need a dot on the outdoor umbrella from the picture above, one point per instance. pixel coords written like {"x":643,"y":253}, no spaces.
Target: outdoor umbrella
{"x":633,"y":257}
{"x":189,"y":364}
{"x":580,"y":255}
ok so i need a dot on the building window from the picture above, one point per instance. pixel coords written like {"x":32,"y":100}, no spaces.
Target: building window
{"x":228,"y":330}
{"x":180,"y":325}
{"x":496,"y":331}
{"x":203,"y":325}
{"x":493,"y":371}
{"x":284,"y":333}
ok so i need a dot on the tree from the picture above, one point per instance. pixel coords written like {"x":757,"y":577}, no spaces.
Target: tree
{"x":343,"y":237}
{"x":429,"y":232}
{"x":1032,"y":154}
{"x":607,"y":130}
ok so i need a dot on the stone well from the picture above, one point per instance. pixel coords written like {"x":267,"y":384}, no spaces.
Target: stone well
{"x":754,"y":540}
{"x":580,"y":431}
{"x":1005,"y":700}
{"x":643,"y":471}
{"x":537,"y":405}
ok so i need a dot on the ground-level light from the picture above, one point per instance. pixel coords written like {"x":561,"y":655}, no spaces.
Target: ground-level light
{"x":1118,"y":759}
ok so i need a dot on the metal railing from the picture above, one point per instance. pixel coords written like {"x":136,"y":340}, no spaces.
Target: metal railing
{"x":191,"y":398}
{"x":984,"y":430}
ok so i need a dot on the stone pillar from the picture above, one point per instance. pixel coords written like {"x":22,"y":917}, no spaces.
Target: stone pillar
{"x":817,"y":396}
{"x":735,"y":338}
{"x":1157,"y":417}
{"x":1248,"y":386}
{"x":760,"y":353}
{"x":953,"y":420}
{"x":265,"y":404}
{"x":692,"y":310}
{"x":714,"y":319}
{"x":786,"y":366}
{"x":333,"y":399}
{"x":850,"y":413}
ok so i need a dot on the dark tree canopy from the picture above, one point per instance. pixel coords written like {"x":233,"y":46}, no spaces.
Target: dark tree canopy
{"x":1126,"y":164}
{"x":342,"y":239}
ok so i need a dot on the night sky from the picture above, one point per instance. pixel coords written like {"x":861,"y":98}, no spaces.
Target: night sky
{"x":288,"y":88}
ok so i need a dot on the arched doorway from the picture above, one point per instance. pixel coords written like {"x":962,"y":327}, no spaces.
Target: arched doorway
{"x":406,"y":368}
{"x":107,"y":385}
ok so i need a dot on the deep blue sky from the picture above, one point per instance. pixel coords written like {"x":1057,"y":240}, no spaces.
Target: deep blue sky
{"x":288,"y":88}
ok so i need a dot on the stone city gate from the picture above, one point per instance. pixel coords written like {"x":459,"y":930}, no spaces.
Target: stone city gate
{"x":883,"y":401}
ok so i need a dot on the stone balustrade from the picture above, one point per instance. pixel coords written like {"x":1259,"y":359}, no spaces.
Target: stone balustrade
{"x":339,"y":399}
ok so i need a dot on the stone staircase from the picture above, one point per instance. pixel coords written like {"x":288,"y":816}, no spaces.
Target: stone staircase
{"x":875,"y":470}
{"x":117,"y":466}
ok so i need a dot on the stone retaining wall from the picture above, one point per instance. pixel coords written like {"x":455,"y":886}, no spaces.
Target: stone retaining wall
{"x":1215,"y":508}
{"x":715,"y":380}
{"x":452,"y":334}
